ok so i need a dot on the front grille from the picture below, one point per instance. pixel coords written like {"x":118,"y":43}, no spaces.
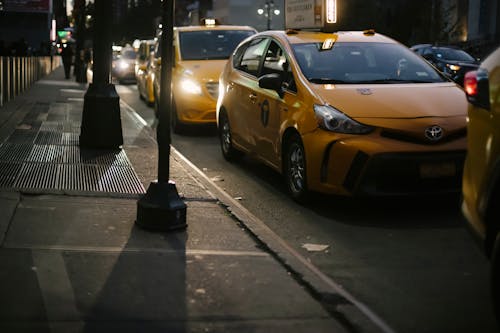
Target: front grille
{"x":401,"y":174}
{"x":462,"y":133}
{"x":213,"y":89}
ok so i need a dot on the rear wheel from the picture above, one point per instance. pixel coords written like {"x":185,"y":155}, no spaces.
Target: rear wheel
{"x":226,"y":142}
{"x":295,"y":169}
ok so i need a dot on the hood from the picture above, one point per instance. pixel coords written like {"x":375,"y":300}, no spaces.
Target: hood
{"x":395,"y":101}
{"x":204,"y":71}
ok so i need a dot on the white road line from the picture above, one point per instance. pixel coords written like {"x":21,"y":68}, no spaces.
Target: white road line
{"x":134,"y":113}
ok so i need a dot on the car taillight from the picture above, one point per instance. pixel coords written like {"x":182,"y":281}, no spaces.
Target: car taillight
{"x":470,"y":83}
{"x":476,"y":87}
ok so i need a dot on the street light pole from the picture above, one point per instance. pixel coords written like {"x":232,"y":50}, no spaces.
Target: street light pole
{"x":268,"y":5}
{"x":268,"y":12}
{"x":161,"y":208}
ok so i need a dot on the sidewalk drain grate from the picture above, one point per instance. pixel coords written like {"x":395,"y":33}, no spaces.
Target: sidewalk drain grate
{"x":8,"y":173}
{"x":43,"y":156}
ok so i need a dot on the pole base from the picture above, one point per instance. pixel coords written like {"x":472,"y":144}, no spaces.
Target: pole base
{"x":101,"y":121}
{"x":161,"y":208}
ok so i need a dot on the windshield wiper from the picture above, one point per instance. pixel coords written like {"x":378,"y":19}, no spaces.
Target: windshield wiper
{"x":325,"y":80}
{"x":389,"y":81}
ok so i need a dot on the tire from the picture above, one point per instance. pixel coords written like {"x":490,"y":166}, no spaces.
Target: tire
{"x":295,"y":169}
{"x":226,"y":141}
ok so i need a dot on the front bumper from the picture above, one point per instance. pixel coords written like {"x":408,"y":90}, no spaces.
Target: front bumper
{"x":374,"y":165}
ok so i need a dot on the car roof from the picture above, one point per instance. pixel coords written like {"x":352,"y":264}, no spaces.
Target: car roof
{"x":300,"y":36}
{"x":213,"y":27}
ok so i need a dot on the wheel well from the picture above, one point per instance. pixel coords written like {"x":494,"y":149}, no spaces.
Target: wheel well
{"x":289,"y":132}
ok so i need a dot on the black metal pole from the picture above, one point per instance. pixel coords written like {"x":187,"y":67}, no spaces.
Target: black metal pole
{"x":161,"y":208}
{"x":101,"y":122}
{"x":164,"y":137}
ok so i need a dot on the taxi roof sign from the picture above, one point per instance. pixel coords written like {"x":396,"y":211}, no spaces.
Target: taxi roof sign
{"x":310,"y":14}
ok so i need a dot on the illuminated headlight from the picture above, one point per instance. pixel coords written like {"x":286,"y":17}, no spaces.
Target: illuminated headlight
{"x":333,"y":120}
{"x":190,"y":86}
{"x":453,"y":67}
{"x":123,"y":65}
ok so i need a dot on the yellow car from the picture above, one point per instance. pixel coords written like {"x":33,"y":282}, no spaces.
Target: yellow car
{"x":143,"y":70}
{"x":200,"y":55}
{"x":348,"y":113}
{"x":481,"y":178}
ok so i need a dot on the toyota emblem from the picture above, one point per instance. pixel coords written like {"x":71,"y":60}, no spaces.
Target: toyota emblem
{"x":434,"y":133}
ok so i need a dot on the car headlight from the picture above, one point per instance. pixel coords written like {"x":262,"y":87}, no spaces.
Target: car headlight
{"x":333,"y":120}
{"x":453,"y":67}
{"x":190,"y":86}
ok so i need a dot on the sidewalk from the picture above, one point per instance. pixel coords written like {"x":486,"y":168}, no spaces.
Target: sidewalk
{"x":73,"y":259}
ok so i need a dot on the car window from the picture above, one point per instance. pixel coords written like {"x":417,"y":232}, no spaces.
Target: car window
{"x":352,"y":62}
{"x":210,"y":44}
{"x":276,"y":62}
{"x":452,"y":54}
{"x":252,"y":57}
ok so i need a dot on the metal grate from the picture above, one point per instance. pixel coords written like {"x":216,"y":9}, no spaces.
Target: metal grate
{"x":15,"y":152}
{"x":45,"y":157}
{"x":8,"y":173}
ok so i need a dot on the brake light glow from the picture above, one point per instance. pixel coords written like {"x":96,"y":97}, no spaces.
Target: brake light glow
{"x":471,"y":83}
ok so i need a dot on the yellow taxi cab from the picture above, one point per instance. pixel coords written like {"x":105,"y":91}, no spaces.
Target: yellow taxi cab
{"x":481,"y":177}
{"x":143,"y":70}
{"x":349,"y":113}
{"x":200,"y":53}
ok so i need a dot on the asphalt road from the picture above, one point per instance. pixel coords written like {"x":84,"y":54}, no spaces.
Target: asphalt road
{"x":410,"y":260}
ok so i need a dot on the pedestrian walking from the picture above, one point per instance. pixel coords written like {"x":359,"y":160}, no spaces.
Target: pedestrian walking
{"x":67,"y":58}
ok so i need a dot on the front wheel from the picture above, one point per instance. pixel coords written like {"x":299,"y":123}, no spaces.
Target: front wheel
{"x":295,"y":169}
{"x":226,"y":142}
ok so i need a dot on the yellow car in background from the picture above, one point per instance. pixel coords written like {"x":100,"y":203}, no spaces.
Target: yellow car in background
{"x":143,"y":70}
{"x":348,"y":113}
{"x":200,"y":53}
{"x":481,"y":178}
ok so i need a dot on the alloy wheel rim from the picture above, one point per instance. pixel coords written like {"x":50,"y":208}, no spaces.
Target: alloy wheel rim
{"x":226,"y":136}
{"x":297,"y":168}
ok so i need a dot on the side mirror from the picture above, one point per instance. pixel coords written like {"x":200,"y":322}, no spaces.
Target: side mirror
{"x":476,"y":85}
{"x":272,"y":82}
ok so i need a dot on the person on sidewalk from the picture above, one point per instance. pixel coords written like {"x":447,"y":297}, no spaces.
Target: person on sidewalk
{"x":67,"y":58}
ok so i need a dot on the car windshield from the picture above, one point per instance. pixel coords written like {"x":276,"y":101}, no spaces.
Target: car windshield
{"x":452,"y":54}
{"x":210,"y":44}
{"x":352,"y":62}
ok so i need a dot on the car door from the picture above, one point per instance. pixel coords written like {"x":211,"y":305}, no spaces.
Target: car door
{"x":270,"y":108}
{"x":241,"y":89}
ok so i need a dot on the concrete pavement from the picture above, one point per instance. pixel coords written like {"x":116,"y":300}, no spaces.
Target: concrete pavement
{"x":73,"y":259}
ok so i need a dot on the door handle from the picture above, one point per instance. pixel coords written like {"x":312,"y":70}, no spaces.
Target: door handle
{"x":252,"y":97}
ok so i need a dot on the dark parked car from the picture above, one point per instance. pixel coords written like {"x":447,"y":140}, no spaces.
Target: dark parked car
{"x":450,"y":60}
